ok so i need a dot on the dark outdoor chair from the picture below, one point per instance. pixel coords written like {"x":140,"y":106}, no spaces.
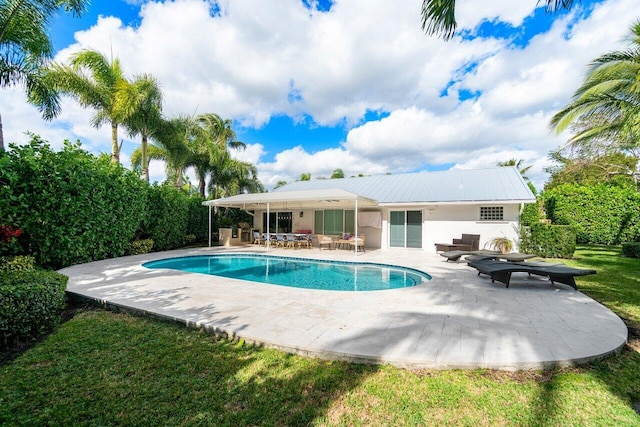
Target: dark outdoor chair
{"x":468,"y":242}
{"x":501,"y":271}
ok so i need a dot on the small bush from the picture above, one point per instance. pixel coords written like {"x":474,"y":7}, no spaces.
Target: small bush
{"x":189,"y":239}
{"x":17,"y":263}
{"x":631,"y":249}
{"x":140,"y":247}
{"x":30,"y":304}
{"x":549,"y":241}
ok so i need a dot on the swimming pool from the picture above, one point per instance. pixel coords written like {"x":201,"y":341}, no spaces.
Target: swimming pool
{"x":298,"y":272}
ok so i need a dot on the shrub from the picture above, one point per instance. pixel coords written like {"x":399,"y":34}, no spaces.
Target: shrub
{"x":17,"y":263}
{"x":140,"y":247}
{"x":198,"y":219}
{"x":631,"y":249}
{"x":601,"y":214}
{"x":72,"y":206}
{"x":548,"y":241}
{"x":9,"y":239}
{"x":501,"y":244}
{"x":30,"y":304}
{"x":189,"y":239}
{"x":167,"y":220}
{"x":530,"y":214}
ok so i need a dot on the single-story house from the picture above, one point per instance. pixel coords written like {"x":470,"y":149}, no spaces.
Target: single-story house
{"x":413,"y":210}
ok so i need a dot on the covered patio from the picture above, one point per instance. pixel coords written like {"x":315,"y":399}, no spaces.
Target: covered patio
{"x":287,"y":200}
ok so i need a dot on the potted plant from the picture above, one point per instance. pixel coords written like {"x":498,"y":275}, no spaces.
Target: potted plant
{"x":502,"y":244}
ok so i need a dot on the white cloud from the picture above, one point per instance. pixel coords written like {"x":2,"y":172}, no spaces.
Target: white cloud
{"x":259,"y":59}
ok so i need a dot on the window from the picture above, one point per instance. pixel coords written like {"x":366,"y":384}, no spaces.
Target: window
{"x":491,"y":213}
{"x":334,"y":221}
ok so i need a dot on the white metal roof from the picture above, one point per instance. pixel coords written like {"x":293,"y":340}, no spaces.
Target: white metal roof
{"x":500,"y":185}
{"x":291,"y":199}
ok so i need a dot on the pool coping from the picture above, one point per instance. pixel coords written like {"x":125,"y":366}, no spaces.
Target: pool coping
{"x":457,"y":320}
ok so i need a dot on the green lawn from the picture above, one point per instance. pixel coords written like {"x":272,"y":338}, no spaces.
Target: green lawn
{"x":103,"y":368}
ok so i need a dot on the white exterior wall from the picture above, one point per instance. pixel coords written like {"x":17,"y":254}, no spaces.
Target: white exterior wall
{"x":442,"y":223}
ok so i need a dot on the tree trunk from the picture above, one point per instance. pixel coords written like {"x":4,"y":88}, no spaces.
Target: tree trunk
{"x":1,"y":137}
{"x":115,"y":148}
{"x":179,"y":177}
{"x":201,"y":186}
{"x":145,"y":160}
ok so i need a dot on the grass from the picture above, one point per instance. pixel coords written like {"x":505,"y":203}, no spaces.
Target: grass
{"x":104,"y":368}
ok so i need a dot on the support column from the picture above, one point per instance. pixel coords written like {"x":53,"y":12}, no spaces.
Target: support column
{"x":268,"y":245}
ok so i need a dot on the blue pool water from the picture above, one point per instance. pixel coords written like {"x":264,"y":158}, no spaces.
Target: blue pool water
{"x":298,"y":272}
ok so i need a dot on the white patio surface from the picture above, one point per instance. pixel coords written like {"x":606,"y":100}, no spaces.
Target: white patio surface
{"x":456,"y":320}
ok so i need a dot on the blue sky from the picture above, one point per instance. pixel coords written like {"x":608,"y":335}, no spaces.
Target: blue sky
{"x":314,"y":86}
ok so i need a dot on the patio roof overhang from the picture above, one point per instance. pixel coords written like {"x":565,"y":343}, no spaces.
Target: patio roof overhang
{"x":293,"y":199}
{"x":280,"y":200}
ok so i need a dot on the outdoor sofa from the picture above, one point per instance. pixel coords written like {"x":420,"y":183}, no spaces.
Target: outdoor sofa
{"x":467,"y":242}
{"x":501,"y":271}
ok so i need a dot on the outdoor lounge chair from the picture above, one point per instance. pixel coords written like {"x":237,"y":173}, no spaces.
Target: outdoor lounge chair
{"x":468,"y":242}
{"x":501,"y":271}
{"x":358,"y":243}
{"x":258,"y":239}
{"x":511,"y":257}
{"x":455,"y":255}
{"x":324,"y":240}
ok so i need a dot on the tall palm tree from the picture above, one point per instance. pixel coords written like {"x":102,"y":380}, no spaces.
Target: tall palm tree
{"x":214,"y":140}
{"x":438,"y":16}
{"x":178,"y":143}
{"x":93,"y":80}
{"x":606,"y":107}
{"x":231,"y":177}
{"x":140,"y":101}
{"x":25,"y":47}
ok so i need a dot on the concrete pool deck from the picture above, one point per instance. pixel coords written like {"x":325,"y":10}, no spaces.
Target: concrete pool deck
{"x":457,"y":320}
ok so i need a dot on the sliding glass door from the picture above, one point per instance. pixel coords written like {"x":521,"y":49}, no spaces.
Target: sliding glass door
{"x":405,"y":229}
{"x":279,"y":222}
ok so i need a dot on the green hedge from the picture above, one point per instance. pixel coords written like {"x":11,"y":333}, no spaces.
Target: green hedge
{"x":168,"y":215}
{"x":198,"y":219}
{"x":30,"y":304}
{"x":631,"y":249}
{"x":72,"y":206}
{"x":601,"y":214}
{"x":548,"y":241}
